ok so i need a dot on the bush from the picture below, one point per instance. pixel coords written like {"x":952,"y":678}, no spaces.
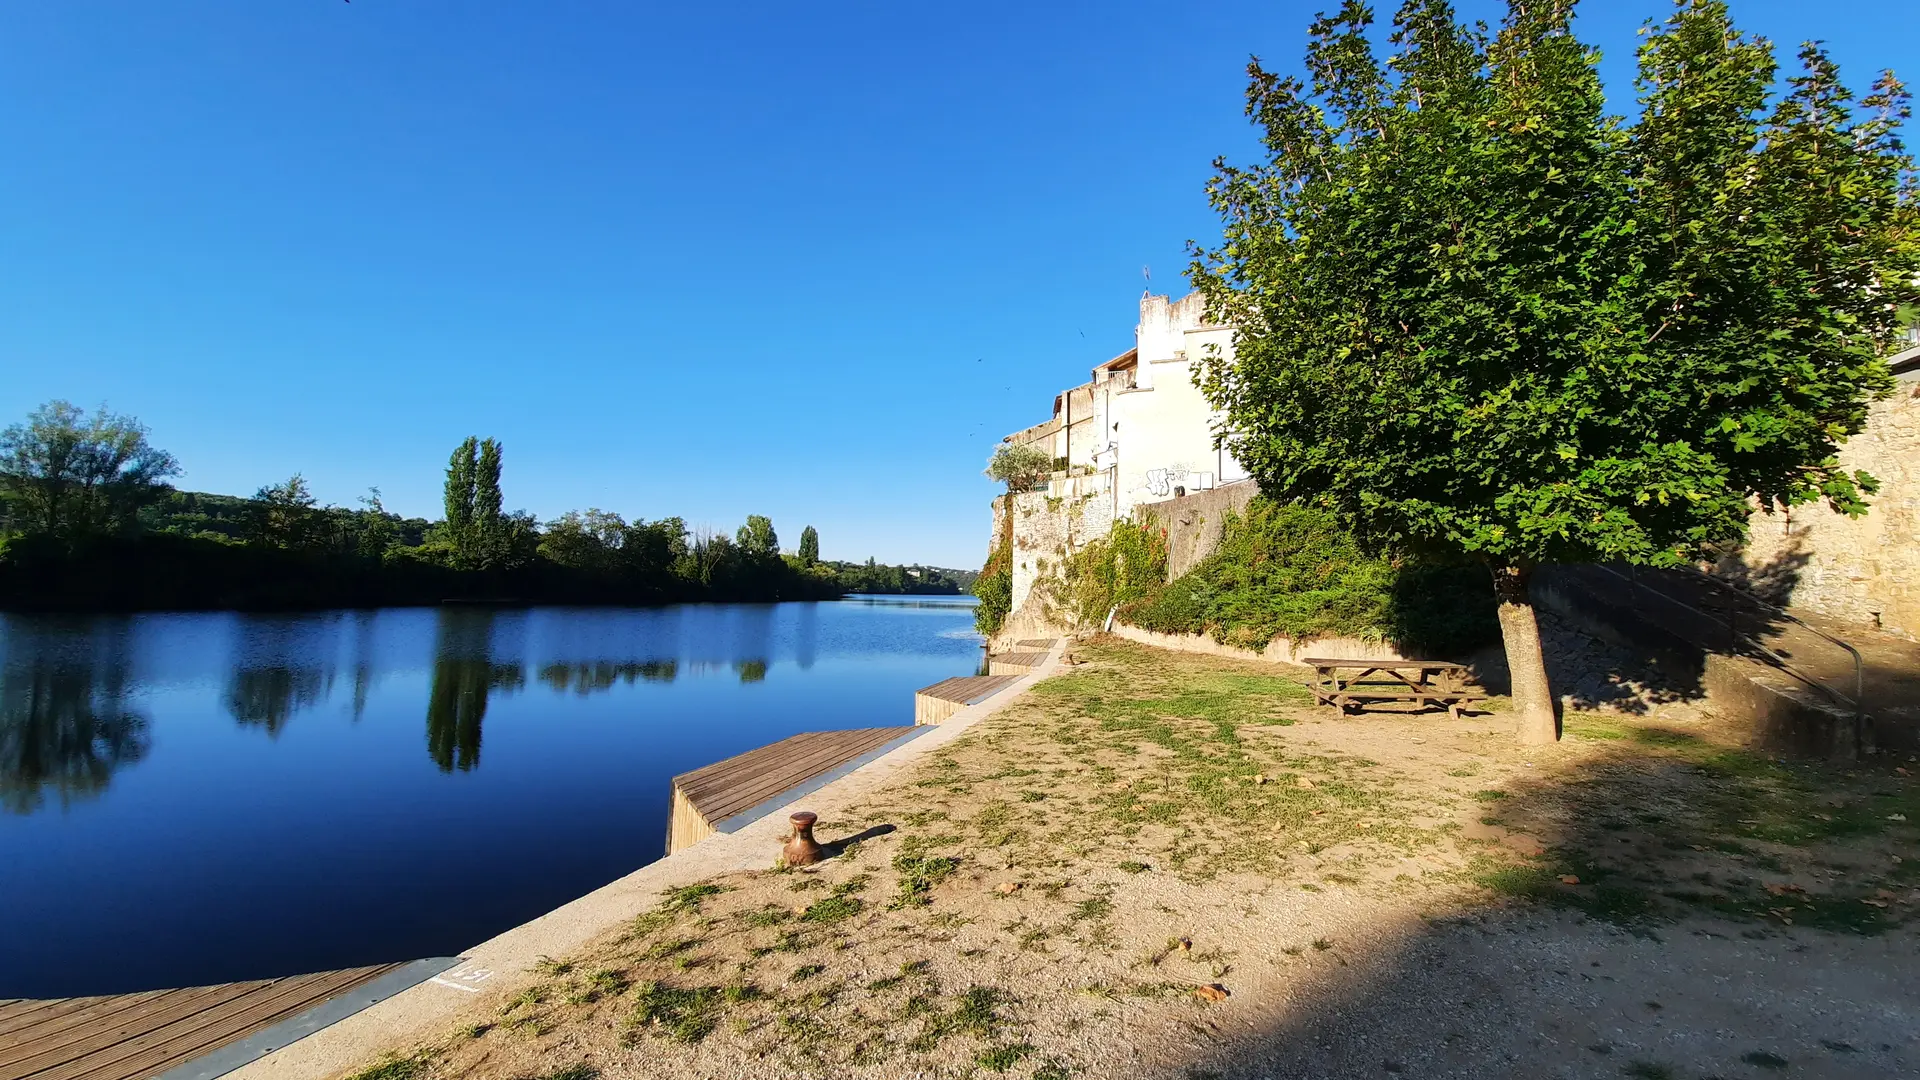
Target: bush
{"x":1293,"y":571}
{"x":1127,"y":565}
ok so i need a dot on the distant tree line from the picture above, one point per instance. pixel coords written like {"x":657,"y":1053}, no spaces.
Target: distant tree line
{"x":88,"y":521}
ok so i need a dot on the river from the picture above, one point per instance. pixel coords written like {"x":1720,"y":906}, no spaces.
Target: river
{"x":196,"y":798}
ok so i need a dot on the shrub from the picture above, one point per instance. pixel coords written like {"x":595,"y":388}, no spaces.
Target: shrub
{"x":1292,"y":570}
{"x":1127,"y":565}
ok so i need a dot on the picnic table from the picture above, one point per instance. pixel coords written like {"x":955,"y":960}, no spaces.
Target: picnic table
{"x":1348,"y":685}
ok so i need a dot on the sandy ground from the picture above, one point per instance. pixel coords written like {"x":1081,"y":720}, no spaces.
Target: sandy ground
{"x":1162,"y":865}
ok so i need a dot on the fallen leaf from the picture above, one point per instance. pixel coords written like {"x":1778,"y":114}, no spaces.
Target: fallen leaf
{"x":1902,"y":770}
{"x":1875,"y":903}
{"x":1260,"y":778}
{"x":1007,"y":888}
{"x":1212,"y":993}
{"x":1303,"y":783}
{"x":1569,"y":879}
{"x":1896,"y":817}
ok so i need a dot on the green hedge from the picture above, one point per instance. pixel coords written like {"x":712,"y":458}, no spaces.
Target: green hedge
{"x":1293,"y":570}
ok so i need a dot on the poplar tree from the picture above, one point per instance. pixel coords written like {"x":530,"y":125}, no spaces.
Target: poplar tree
{"x":809,"y":546}
{"x":461,"y":470}
{"x":480,"y":535}
{"x":488,"y":545}
{"x":1479,"y":316}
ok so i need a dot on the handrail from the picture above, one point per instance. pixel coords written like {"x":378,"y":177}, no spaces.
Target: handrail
{"x":1857,"y":702}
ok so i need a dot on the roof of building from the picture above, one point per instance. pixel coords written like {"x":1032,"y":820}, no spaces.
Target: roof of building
{"x":1130,"y":358}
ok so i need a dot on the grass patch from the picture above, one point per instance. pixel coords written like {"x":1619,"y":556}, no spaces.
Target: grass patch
{"x":683,"y":1014}
{"x":919,"y":874}
{"x":1002,"y":1057}
{"x":411,"y":1067}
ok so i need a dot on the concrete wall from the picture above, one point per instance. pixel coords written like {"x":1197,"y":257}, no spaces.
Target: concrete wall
{"x":1863,"y":570}
{"x":1193,"y":522}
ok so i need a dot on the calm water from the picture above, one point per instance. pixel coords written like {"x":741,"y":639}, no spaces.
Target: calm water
{"x":202,"y":798}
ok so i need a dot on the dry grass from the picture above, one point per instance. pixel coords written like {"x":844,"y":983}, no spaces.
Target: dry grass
{"x":1062,"y":881}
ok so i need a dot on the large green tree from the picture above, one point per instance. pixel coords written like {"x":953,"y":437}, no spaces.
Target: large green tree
{"x":480,"y":535}
{"x":70,"y":475}
{"x":1479,"y":315}
{"x":809,"y":546}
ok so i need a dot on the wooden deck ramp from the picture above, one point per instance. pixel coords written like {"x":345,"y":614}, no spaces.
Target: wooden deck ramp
{"x":728,"y":794}
{"x":193,"y":1033}
{"x":933,"y":704}
{"x":1015,"y":663}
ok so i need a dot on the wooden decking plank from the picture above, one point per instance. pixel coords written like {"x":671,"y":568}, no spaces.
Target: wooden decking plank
{"x":205,"y":1029}
{"x":703,"y":779}
{"x":968,"y":689}
{"x":22,"y":1012}
{"x":106,"y":1019}
{"x":261,"y":1013}
{"x":721,"y":775}
{"x":115,"y":1019}
{"x":755,"y":782}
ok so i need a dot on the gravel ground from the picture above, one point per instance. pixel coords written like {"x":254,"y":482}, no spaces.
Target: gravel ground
{"x":1163,"y":865}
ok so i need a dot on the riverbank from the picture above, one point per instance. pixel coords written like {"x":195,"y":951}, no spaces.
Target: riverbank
{"x":1154,"y":864}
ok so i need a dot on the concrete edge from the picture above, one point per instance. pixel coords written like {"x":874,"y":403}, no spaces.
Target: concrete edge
{"x":426,"y":1011}
{"x":805,"y":788}
{"x":331,"y":1011}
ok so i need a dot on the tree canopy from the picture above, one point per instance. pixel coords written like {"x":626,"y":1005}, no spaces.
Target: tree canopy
{"x":1478,"y":314}
{"x":69,"y":475}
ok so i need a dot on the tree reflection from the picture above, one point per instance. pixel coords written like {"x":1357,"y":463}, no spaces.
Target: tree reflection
{"x":750,"y":670}
{"x":458,"y":705}
{"x":464,"y":677}
{"x":267,"y":697}
{"x":65,"y":731}
{"x":588,"y":677}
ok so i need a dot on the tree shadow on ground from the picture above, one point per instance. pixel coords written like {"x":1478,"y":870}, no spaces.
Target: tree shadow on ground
{"x":1668,"y":906}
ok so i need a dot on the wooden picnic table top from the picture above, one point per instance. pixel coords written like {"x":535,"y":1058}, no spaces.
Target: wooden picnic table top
{"x":1384,"y":665}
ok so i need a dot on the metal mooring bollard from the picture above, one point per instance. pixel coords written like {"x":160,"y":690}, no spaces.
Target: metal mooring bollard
{"x":802,"y":849}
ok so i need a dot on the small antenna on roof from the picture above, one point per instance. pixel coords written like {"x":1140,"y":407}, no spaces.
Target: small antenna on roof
{"x":1146,"y":275}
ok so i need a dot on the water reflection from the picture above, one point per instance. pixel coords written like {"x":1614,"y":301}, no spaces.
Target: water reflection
{"x":268,"y":697}
{"x":585,"y":715}
{"x":587,"y":677}
{"x":64,"y":729}
{"x":465,"y":675}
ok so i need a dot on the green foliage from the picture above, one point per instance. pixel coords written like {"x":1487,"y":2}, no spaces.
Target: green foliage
{"x":1479,"y":314}
{"x":994,"y":586}
{"x":1125,"y":566}
{"x":1294,"y":570}
{"x":756,"y":538}
{"x":86,"y":524}
{"x":809,"y":546}
{"x":284,"y":515}
{"x":1020,"y":466}
{"x":70,"y":476}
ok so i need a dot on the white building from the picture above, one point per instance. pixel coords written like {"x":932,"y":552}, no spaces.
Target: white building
{"x":1139,"y":431}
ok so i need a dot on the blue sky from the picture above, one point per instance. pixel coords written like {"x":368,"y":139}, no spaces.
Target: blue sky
{"x":708,"y":260}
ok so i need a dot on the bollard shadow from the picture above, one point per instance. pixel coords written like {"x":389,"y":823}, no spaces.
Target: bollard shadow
{"x":832,"y":849}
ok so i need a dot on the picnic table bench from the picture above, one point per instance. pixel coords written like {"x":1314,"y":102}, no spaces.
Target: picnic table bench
{"x":1428,"y":682}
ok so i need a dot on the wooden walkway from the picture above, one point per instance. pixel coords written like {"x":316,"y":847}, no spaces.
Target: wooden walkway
{"x":933,"y":704}
{"x":728,"y":794}
{"x":1015,"y":663}
{"x":133,"y":1036}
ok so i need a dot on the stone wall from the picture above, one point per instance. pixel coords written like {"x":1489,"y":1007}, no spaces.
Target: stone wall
{"x":1193,"y":522}
{"x":1046,"y":532}
{"x":1864,"y":570}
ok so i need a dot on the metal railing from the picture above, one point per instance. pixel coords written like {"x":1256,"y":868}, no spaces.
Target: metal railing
{"x":1736,"y":637}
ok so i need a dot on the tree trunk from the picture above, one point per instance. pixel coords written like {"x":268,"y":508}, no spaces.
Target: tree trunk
{"x":1526,"y":665}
